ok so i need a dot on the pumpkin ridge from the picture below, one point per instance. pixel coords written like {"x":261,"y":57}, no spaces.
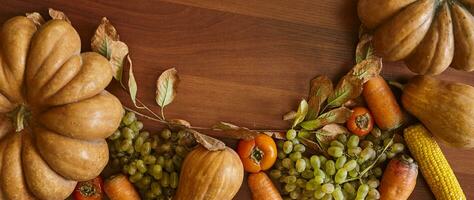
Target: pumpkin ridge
{"x":407,"y":36}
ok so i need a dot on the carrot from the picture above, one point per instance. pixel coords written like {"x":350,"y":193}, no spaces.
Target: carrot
{"x":262,"y":187}
{"x":119,"y":188}
{"x":399,"y":179}
{"x":382,"y":103}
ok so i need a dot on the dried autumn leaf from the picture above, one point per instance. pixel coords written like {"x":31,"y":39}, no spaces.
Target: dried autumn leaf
{"x":351,"y":85}
{"x":56,"y":14}
{"x":338,"y":115}
{"x":232,"y":131}
{"x":276,"y":135}
{"x":289,"y":116}
{"x":301,"y":113}
{"x":364,"y":48}
{"x":321,"y":88}
{"x":210,"y":143}
{"x":313,"y":146}
{"x":330,"y":132}
{"x":132,"y":83}
{"x":36,"y":18}
{"x":106,"y":42}
{"x":178,"y":124}
{"x":166,"y":87}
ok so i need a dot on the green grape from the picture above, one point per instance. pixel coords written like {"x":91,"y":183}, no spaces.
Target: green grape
{"x":295,"y":141}
{"x":125,"y":145}
{"x":397,"y":148}
{"x":366,"y":143}
{"x":278,"y":165}
{"x":130,"y":151}
{"x":382,"y":158}
{"x":166,"y":147}
{"x":295,"y":156}
{"x":306,"y":160}
{"x":327,"y":188}
{"x":390,"y":155}
{"x":287,"y":147}
{"x":174,"y":137}
{"x":281,"y":155}
{"x":320,"y":173}
{"x":115,"y":135}
{"x":353,"y":141}
{"x":335,"y":151}
{"x":378,"y":172}
{"x":308,"y":194}
{"x":177,"y":161}
{"x":149,"y":159}
{"x":373,"y":183}
{"x":180,"y":150}
{"x":386,"y":141}
{"x":165,"y":180}
{"x":340,"y":162}
{"x":349,"y":188}
{"x":275,"y":174}
{"x":366,"y":154}
{"x":342,"y":138}
{"x":289,"y":187}
{"x":182,"y":134}
{"x":165,"y":134}
{"x":160,"y":160}
{"x":155,"y":188}
{"x":156,"y":171}
{"x":330,"y":168}
{"x":322,"y":159}
{"x":373,"y":194}
{"x":299,"y":148}
{"x":307,"y":174}
{"x":141,"y":166}
{"x":336,"y":143}
{"x":131,"y":170}
{"x":362,"y":191}
{"x":337,"y":194}
{"x":315,"y":162}
{"x":127,"y":133}
{"x":144,"y":134}
{"x":135,"y":177}
{"x":353,"y":173}
{"x":138,"y":143}
{"x":174,"y":180}
{"x":279,"y":144}
{"x":319,"y":194}
{"x":169,"y":165}
{"x":124,"y":160}
{"x":340,"y":176}
{"x":318,"y":179}
{"x":350,"y":165}
{"x":129,"y":118}
{"x":136,"y":126}
{"x":145,"y":181}
{"x":295,"y":194}
{"x":146,"y":149}
{"x":301,"y":183}
{"x":291,"y":134}
{"x":300,"y":165}
{"x":354,"y":151}
{"x":293,"y":172}
{"x":312,"y":185}
{"x":287,"y":163}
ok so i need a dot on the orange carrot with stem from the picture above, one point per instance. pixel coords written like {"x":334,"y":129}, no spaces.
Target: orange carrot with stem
{"x":262,"y":187}
{"x":382,"y":103}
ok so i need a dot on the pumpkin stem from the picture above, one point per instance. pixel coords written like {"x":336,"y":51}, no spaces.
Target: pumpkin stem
{"x":257,"y":155}
{"x":396,"y":84}
{"x":19,"y":116}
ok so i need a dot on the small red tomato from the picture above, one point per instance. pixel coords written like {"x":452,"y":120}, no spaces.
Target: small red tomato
{"x":89,"y":190}
{"x":361,"y":121}
{"x":257,"y":154}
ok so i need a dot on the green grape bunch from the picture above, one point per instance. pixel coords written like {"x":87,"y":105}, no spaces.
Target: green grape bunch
{"x":352,"y":170}
{"x":152,"y":161}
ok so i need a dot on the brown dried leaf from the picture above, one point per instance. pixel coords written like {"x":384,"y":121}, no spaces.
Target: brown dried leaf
{"x":330,"y":132}
{"x":210,"y":143}
{"x":106,"y":42}
{"x":289,"y":116}
{"x":313,"y":146}
{"x":166,"y":87}
{"x":351,"y":85}
{"x":232,"y":131}
{"x":338,"y":115}
{"x":132,"y":83}
{"x":56,"y":14}
{"x":178,"y":124}
{"x":321,"y":88}
{"x":276,"y":135}
{"x":36,"y":18}
{"x":364,"y":49}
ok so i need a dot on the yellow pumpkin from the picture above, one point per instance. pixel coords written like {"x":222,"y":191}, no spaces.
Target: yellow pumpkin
{"x":54,"y":112}
{"x":210,"y":175}
{"x":429,"y":35}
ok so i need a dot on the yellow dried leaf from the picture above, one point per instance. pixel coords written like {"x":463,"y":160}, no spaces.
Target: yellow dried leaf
{"x":56,"y":14}
{"x":36,"y":18}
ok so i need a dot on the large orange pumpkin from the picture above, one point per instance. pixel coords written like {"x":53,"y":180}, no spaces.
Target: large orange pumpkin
{"x":429,"y":35}
{"x":54,"y":112}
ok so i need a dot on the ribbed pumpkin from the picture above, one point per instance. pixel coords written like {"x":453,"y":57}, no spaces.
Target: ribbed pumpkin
{"x":429,"y":35}
{"x":54,"y":112}
{"x":210,"y":175}
{"x":445,"y":108}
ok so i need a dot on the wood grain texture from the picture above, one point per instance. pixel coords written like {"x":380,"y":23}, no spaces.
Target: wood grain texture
{"x":246,"y":62}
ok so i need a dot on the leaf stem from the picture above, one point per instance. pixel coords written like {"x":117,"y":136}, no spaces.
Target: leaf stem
{"x":146,"y":116}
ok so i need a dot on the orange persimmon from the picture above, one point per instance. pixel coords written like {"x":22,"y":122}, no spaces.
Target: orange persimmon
{"x":257,"y":154}
{"x":361,"y":121}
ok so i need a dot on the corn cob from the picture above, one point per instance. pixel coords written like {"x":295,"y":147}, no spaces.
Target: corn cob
{"x":434,"y":166}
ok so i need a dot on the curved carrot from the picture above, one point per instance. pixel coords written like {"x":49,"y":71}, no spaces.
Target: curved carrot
{"x":262,"y":187}
{"x":119,"y":188}
{"x":382,"y":103}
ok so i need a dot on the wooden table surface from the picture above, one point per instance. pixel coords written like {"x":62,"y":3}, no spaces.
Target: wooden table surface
{"x":246,"y":62}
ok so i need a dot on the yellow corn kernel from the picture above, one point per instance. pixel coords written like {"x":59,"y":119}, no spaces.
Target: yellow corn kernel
{"x":434,"y":166}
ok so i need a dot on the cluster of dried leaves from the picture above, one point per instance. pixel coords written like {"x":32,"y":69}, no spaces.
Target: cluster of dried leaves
{"x":326,"y":108}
